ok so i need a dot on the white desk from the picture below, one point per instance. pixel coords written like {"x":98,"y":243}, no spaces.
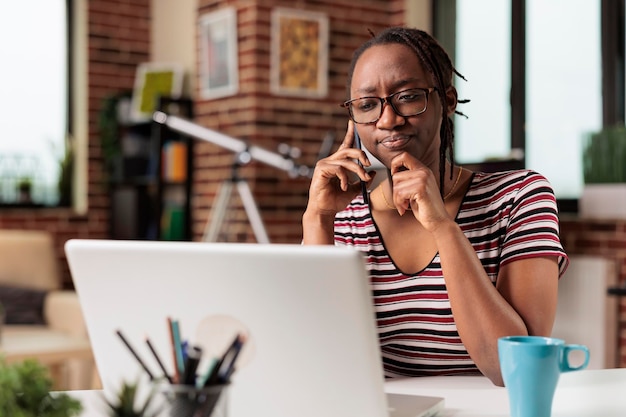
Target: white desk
{"x":589,"y":393}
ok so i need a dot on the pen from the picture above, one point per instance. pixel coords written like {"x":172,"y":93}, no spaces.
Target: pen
{"x":184,"y":347}
{"x":229,"y":367}
{"x":158,"y":359}
{"x":217,"y":369}
{"x":130,"y":348}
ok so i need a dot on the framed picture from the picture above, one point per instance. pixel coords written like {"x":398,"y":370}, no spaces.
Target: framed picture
{"x":154,"y":80}
{"x":219,"y":67}
{"x":299,"y":53}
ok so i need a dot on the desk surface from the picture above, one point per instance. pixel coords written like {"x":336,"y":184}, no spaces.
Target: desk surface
{"x":589,"y":393}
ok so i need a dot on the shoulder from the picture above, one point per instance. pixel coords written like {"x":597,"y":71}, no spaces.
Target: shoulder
{"x":511,"y":183}
{"x":519,"y":177}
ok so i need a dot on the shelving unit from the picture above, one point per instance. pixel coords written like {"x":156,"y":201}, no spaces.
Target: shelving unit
{"x":151,"y":185}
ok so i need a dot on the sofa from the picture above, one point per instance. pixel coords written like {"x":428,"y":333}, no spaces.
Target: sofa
{"x":32,"y":295}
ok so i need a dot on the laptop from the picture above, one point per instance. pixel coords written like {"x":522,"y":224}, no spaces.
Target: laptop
{"x":311,"y":345}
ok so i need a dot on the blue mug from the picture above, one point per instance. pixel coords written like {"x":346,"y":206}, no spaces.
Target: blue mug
{"x":531,"y":366}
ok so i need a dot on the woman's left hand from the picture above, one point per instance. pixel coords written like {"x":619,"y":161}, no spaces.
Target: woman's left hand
{"x":415,"y":189}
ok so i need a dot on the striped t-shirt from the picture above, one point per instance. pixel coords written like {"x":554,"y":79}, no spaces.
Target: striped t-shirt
{"x":506,"y":216}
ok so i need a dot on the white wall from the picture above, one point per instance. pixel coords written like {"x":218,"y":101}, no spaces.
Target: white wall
{"x":585,"y":313}
{"x":174,"y":36}
{"x":419,"y":15}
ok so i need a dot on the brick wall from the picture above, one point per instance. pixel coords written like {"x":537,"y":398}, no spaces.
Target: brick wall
{"x":606,"y":239}
{"x":119,"y":36}
{"x":119,"y":39}
{"x":258,"y":117}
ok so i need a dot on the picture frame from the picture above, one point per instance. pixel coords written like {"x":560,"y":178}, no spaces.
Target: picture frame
{"x":219,"y":66}
{"x":299,"y":53}
{"x":152,"y":80}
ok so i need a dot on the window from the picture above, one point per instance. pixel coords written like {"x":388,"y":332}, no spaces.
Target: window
{"x":534,"y":85}
{"x":488,"y":72}
{"x":34,"y":105}
{"x":563,"y":88}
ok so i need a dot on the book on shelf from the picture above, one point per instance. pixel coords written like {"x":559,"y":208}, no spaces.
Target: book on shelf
{"x":173,"y":223}
{"x":175,"y":161}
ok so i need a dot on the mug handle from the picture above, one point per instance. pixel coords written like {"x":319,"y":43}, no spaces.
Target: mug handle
{"x":565,"y":366}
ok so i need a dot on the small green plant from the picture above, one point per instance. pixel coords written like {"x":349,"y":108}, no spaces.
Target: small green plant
{"x":124,"y":403}
{"x":25,"y":392}
{"x":25,"y":184}
{"x":604,"y":155}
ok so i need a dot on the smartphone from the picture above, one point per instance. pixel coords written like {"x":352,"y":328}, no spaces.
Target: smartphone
{"x":357,"y":144}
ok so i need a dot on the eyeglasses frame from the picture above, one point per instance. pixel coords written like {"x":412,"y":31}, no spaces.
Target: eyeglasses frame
{"x":387,"y":99}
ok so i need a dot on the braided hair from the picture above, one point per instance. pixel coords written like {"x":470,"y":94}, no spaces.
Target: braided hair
{"x":438,"y":64}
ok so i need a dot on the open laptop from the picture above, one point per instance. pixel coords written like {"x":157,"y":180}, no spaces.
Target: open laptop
{"x":311,"y":350}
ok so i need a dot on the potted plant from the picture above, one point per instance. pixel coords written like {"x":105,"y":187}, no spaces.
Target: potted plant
{"x":25,"y":392}
{"x":24,"y":188}
{"x":2,"y":318}
{"x":125,"y":403}
{"x":604,"y":174}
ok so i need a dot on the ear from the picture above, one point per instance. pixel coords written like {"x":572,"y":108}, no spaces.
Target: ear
{"x":452,"y":98}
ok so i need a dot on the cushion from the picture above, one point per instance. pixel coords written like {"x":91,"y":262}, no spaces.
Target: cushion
{"x":22,"y":305}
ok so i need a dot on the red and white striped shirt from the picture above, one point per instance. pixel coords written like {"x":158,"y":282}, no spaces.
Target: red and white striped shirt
{"x":506,"y":216}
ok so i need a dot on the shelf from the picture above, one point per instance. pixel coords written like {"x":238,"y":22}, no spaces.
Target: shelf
{"x":151,"y":185}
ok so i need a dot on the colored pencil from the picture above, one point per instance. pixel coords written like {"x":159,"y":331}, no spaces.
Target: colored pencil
{"x":130,"y":348}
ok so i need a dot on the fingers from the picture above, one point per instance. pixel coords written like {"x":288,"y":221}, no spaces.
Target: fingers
{"x":405,"y":162}
{"x":348,"y":140}
{"x":341,"y":169}
{"x":347,"y":149}
{"x":411,"y":181}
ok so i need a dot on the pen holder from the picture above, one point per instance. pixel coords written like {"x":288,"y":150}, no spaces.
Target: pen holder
{"x":190,"y":401}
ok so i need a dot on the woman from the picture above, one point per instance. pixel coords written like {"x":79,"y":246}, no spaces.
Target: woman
{"x":456,"y":259}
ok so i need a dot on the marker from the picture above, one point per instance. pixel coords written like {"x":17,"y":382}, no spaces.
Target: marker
{"x":207,"y":374}
{"x":191,"y":365}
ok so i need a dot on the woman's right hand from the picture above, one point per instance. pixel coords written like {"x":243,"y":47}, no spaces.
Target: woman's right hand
{"x":333,"y":185}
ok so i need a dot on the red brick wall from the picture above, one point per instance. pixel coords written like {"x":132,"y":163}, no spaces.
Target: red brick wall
{"x":119,"y":39}
{"x":258,"y":117}
{"x":601,"y":238}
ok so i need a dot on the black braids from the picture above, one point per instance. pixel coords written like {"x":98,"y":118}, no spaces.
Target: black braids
{"x":426,"y":50}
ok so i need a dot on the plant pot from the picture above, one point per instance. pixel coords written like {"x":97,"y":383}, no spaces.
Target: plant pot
{"x":603,"y":201}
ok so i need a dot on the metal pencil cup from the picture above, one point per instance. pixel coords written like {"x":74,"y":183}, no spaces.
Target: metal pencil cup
{"x":189,"y":401}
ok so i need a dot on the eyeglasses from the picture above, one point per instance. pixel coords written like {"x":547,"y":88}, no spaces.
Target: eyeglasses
{"x":411,"y":102}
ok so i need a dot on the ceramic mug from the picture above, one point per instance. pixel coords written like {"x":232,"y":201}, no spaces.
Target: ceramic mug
{"x":531,"y":366}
